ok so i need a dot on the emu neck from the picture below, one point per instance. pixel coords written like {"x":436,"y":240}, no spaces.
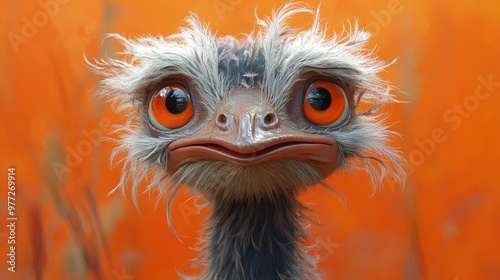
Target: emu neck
{"x":257,"y":239}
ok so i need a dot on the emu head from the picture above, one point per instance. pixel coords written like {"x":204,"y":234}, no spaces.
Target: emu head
{"x":273,"y":112}
{"x":248,"y":123}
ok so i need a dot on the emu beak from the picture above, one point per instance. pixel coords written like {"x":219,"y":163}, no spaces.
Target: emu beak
{"x":246,"y":130}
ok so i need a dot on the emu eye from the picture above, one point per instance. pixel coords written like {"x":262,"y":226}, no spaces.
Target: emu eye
{"x":325,"y":103}
{"x":170,"y":106}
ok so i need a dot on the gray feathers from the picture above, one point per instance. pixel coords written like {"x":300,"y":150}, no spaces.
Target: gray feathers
{"x":274,"y":59}
{"x":258,"y":239}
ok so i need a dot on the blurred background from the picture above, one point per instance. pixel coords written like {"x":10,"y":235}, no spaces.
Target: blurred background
{"x":444,"y":224}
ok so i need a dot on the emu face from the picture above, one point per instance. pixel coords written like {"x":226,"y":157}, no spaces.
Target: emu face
{"x":275,"y":111}
{"x":248,"y":149}
{"x":250,"y":120}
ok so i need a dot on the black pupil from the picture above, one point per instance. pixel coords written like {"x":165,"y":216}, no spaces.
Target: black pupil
{"x":176,"y":101}
{"x":319,"y":98}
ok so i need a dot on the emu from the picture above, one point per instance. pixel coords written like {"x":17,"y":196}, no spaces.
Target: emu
{"x":250,"y":123}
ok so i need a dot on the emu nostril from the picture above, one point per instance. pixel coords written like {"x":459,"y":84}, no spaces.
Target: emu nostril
{"x":221,"y":119}
{"x":270,"y":119}
{"x":222,"y":122}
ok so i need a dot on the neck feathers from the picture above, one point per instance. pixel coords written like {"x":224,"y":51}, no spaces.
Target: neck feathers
{"x":257,"y":239}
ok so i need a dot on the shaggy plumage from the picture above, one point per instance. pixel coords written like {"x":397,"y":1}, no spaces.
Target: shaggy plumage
{"x":274,"y":59}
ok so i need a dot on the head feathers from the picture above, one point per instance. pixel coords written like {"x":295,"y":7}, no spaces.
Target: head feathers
{"x":274,"y":58}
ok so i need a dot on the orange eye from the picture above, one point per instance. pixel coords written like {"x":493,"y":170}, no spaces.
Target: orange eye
{"x":325,"y":103}
{"x":171,"y":106}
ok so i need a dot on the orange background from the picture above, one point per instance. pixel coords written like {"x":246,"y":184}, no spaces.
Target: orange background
{"x":445,"y":223}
